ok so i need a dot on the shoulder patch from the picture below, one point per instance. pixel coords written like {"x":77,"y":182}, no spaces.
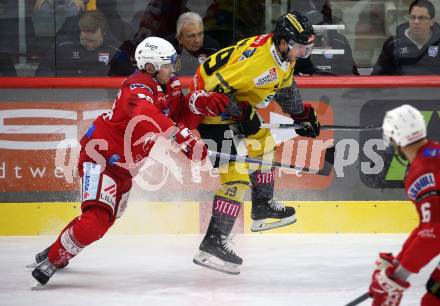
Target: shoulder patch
{"x":246,"y":54}
{"x":423,"y":182}
{"x":431,"y":152}
{"x":260,"y":40}
{"x":139,"y":85}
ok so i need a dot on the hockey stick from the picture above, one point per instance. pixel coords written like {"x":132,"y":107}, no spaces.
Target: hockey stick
{"x":325,"y":171}
{"x":359,"y":299}
{"x":323,"y":127}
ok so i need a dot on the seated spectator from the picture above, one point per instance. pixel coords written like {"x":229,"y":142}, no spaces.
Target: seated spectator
{"x":415,"y":48}
{"x":327,"y":63}
{"x":87,"y":55}
{"x":118,"y":30}
{"x":192,"y":46}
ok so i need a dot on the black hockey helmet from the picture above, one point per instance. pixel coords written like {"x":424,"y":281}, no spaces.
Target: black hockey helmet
{"x":294,"y":27}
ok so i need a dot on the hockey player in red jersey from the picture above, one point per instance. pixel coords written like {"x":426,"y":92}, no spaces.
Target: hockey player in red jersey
{"x":404,"y":129}
{"x":115,"y":146}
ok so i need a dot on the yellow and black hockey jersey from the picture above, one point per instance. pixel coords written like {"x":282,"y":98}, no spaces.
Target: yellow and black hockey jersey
{"x":251,"y":70}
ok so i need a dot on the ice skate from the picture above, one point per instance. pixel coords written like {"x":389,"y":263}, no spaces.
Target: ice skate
{"x":262,"y":213}
{"x":43,"y":272}
{"x":40,"y":257}
{"x":215,"y":252}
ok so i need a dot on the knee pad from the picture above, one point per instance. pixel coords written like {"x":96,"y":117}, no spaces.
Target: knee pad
{"x":234,"y":179}
{"x":93,"y":223}
{"x":262,"y":145}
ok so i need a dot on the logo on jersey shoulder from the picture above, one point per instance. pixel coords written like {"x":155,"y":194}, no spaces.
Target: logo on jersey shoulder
{"x":266,"y":77}
{"x":142,"y":96}
{"x":432,"y":51}
{"x":246,"y":54}
{"x":260,"y":40}
{"x":139,"y":85}
{"x":431,"y":152}
{"x":423,"y":182}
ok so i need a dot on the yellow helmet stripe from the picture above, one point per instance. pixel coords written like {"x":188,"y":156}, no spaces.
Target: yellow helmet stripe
{"x":295,"y":22}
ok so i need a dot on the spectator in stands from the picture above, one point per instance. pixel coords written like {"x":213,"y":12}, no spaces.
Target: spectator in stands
{"x":117,"y":28}
{"x":87,"y":55}
{"x":415,"y":48}
{"x":192,"y":46}
{"x":326,"y":63}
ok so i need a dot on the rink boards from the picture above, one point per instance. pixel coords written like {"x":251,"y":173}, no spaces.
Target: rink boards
{"x":193,"y":217}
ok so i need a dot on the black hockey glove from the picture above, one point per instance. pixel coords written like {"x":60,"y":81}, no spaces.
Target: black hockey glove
{"x":249,"y":120}
{"x":309,"y":119}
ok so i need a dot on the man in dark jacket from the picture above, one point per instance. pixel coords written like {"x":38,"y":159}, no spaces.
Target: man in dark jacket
{"x":87,"y":55}
{"x":415,"y":48}
{"x":192,"y":46}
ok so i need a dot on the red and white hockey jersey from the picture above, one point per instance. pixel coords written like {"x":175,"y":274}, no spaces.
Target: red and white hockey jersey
{"x":124,"y":136}
{"x":422,"y":185}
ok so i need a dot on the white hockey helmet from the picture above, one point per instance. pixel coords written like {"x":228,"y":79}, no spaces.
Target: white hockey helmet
{"x":403,"y":124}
{"x":156,"y":51}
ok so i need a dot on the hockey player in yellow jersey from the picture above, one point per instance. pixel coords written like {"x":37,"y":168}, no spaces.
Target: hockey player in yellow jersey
{"x":252,"y":73}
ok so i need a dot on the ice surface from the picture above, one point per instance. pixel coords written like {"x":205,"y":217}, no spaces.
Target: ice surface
{"x":290,"y":270}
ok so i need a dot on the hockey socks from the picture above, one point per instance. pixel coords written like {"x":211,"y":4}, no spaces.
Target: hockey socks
{"x":264,"y":207}
{"x":81,"y":231}
{"x":215,"y":251}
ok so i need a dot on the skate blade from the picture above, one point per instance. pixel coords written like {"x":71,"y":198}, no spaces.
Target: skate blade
{"x":205,"y":260}
{"x":32,"y":265}
{"x":261,"y":225}
{"x":36,"y":285}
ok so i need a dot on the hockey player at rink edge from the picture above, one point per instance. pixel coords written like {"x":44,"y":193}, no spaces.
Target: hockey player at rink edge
{"x":252,"y":73}
{"x":405,"y":130}
{"x":147,"y":102}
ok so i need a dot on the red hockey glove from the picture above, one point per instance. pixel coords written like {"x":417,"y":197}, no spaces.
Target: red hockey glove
{"x":309,"y":118}
{"x":191,"y":146}
{"x":385,"y":289}
{"x":174,"y":93}
{"x":208,"y":104}
{"x":385,"y":260}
